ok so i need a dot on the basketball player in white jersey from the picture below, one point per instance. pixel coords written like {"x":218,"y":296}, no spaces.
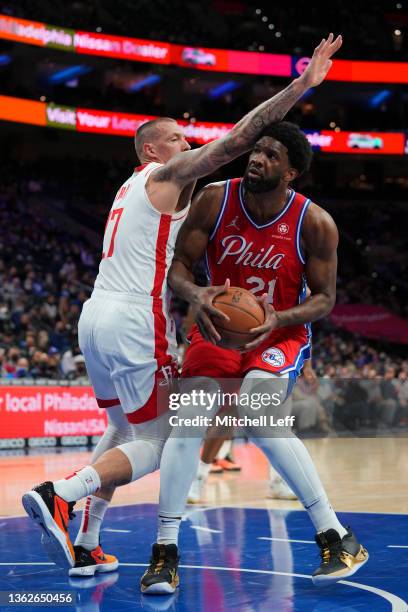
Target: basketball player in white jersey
{"x":125,"y":331}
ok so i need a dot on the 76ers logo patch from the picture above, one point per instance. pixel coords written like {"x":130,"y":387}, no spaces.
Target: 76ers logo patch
{"x":274,"y":357}
{"x":283,"y":228}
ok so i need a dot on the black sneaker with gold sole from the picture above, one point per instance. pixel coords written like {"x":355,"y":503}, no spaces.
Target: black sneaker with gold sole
{"x":161,"y":577}
{"x":341,"y":557}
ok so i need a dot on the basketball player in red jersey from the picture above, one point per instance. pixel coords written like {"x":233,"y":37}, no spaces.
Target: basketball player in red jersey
{"x":259,"y":234}
{"x":125,"y":330}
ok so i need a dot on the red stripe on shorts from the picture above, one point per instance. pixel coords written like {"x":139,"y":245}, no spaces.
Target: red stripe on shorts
{"x":107,"y":403}
{"x":149,"y":410}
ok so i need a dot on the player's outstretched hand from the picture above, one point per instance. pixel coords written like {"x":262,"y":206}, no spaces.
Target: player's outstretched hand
{"x":204,"y":311}
{"x":263,"y":331}
{"x":321,"y":63}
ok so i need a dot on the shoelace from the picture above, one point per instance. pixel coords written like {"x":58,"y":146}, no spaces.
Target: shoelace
{"x":327,"y":552}
{"x":157,"y":565}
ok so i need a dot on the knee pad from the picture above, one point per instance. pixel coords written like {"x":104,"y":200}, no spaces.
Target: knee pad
{"x":119,"y":431}
{"x":144,"y":455}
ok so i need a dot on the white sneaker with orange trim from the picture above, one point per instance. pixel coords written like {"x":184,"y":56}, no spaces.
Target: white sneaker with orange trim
{"x":88,"y":562}
{"x":279,"y":489}
{"x":196,"y":492}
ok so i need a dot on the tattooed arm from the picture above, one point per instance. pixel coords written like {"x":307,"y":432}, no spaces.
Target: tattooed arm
{"x":191,"y":165}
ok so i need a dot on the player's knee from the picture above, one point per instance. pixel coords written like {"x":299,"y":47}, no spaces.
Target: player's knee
{"x":263,"y":402}
{"x":183,"y":446}
{"x":121,"y":436}
{"x":262,"y":391}
{"x":143,"y":455}
{"x":198,"y":402}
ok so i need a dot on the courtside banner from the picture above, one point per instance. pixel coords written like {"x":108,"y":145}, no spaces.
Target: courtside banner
{"x":97,"y":121}
{"x":371,"y":321}
{"x":22,"y":111}
{"x":30,"y":412}
{"x":220,"y":60}
{"x":197,"y":58}
{"x":201,"y":132}
{"x":43,"y":35}
{"x":373,"y":143}
{"x":135,"y":49}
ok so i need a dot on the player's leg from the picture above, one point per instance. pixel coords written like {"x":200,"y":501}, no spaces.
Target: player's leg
{"x":216,"y":436}
{"x":47,"y":504}
{"x":51,"y":504}
{"x":203,"y":365}
{"x":89,"y":556}
{"x":224,"y":458}
{"x":342,"y":555}
{"x":178,"y":467}
{"x":117,"y":336}
{"x":278,"y":488}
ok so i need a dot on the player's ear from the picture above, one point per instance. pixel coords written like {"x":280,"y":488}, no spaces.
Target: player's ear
{"x":291,"y":174}
{"x":149,"y":150}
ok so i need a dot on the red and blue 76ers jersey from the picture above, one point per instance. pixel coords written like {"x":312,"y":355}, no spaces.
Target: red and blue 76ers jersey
{"x":264,"y":258}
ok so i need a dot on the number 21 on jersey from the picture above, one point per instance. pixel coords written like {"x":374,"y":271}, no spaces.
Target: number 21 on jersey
{"x":111,"y":228}
{"x":259,"y":286}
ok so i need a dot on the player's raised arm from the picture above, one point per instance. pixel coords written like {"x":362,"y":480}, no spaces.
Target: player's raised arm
{"x":191,"y":244}
{"x":190,"y":165}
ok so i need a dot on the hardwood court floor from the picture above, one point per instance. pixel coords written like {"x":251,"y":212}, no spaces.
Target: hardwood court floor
{"x":361,"y":475}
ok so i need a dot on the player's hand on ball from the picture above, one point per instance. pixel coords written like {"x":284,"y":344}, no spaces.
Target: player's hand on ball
{"x":263,"y":331}
{"x":204,"y":311}
{"x":321,"y":63}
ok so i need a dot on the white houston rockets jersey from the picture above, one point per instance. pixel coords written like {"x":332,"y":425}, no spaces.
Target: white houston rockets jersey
{"x":139,"y":241}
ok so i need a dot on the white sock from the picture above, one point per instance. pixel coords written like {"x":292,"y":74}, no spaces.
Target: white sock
{"x":290,"y":458}
{"x":78,"y":485}
{"x":323,"y":516}
{"x":203,"y":469}
{"x":92,"y":517}
{"x":168,"y":528}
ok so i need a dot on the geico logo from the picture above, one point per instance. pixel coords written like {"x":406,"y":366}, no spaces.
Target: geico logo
{"x":12,"y":443}
{"x":49,"y":441}
{"x":74,"y":440}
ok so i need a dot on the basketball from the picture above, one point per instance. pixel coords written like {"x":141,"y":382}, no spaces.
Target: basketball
{"x":244,"y":313}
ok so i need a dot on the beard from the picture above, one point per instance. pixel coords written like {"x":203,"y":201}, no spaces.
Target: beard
{"x":261,"y":185}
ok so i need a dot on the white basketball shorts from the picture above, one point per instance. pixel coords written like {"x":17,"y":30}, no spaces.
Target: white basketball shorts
{"x":128,"y":343}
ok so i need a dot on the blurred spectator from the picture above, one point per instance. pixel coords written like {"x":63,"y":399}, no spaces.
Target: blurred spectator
{"x":306,"y":406}
{"x":388,"y":404}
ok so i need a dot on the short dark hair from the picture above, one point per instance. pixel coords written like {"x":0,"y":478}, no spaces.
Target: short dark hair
{"x":146,"y":132}
{"x":291,"y":136}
